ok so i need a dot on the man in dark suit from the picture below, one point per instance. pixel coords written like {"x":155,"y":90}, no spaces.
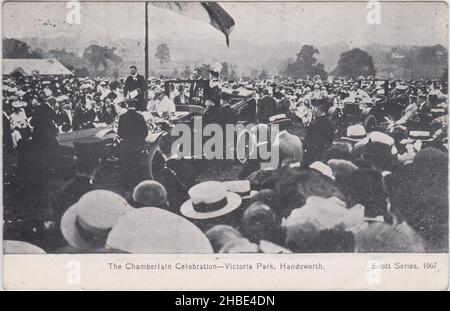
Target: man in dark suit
{"x":132,"y":131}
{"x":319,"y":135}
{"x":136,"y":88}
{"x":88,"y":152}
{"x":65,"y":117}
{"x":181,"y":98}
{"x":7,"y":139}
{"x":44,"y":145}
{"x":266,"y":107}
{"x":176,"y":174}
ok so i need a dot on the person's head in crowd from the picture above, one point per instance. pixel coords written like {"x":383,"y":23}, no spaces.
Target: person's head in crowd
{"x":399,"y":134}
{"x":151,"y":230}
{"x":308,"y":228}
{"x":240,"y":246}
{"x":418,"y":193}
{"x":322,"y":108}
{"x":379,"y":237}
{"x":150,"y":193}
{"x":323,"y":168}
{"x":17,"y":106}
{"x":51,"y":101}
{"x":354,"y":134}
{"x":265,"y":196}
{"x":88,"y":153}
{"x":341,"y":168}
{"x":221,"y":235}
{"x":131,"y":104}
{"x":165,"y":145}
{"x":337,"y":151}
{"x":87,"y":223}
{"x":133,"y":70}
{"x":259,"y":222}
{"x":293,"y":191}
{"x":364,"y":186}
{"x":380,"y":155}
{"x":378,"y":149}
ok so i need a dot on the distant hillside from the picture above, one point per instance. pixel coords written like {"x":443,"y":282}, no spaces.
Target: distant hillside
{"x":248,"y":56}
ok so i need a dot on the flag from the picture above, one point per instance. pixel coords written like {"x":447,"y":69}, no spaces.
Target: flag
{"x":209,"y":12}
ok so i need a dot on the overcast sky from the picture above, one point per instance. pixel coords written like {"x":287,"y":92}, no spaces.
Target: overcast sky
{"x":402,"y":23}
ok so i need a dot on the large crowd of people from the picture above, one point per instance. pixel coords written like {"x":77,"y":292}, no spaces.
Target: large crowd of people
{"x":380,"y":189}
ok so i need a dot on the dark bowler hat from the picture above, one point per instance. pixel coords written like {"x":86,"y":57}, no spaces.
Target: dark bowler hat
{"x":88,"y":147}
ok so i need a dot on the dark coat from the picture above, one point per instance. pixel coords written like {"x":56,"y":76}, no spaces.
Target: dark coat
{"x":266,"y":107}
{"x":44,"y":130}
{"x":89,"y":118}
{"x":78,"y":118}
{"x":132,"y":127}
{"x":178,"y":100}
{"x":64,"y":120}
{"x":319,"y":136}
{"x":177,"y":176}
{"x":7,"y":139}
{"x":72,"y":191}
{"x":132,"y":130}
{"x":139,"y":84}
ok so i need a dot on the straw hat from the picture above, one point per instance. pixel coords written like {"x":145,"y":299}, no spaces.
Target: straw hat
{"x":355,"y":132}
{"x":210,"y":200}
{"x":322,"y":168}
{"x":18,"y":104}
{"x":19,"y":247}
{"x":89,"y":221}
{"x":418,"y":135}
{"x":241,"y":187}
{"x":151,"y":230}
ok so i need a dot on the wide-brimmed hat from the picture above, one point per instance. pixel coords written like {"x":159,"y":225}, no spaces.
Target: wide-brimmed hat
{"x":322,"y":168}
{"x":18,"y":104}
{"x":241,"y":187}
{"x":341,"y":168}
{"x":420,"y":135}
{"x":151,"y":230}
{"x":278,"y":118}
{"x":355,"y":132}
{"x":210,"y":200}
{"x":20,"y":247}
{"x":90,"y":219}
{"x":379,"y":137}
{"x":281,"y":120}
{"x":62,"y":98}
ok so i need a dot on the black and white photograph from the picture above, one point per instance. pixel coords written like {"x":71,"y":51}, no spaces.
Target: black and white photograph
{"x":225,"y":127}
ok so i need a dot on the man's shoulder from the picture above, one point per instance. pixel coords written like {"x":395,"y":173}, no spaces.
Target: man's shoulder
{"x":133,"y":114}
{"x":75,"y":185}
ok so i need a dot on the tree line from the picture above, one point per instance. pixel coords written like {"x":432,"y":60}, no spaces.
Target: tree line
{"x":413,"y":62}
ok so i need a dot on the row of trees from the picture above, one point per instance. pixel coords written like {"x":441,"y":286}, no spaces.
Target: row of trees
{"x":351,"y":64}
{"x":96,"y":60}
{"x":414,"y":62}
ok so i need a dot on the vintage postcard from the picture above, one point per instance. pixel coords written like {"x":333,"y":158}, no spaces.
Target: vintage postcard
{"x":235,"y":145}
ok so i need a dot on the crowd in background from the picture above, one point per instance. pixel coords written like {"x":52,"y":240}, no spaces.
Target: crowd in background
{"x":378,"y":190}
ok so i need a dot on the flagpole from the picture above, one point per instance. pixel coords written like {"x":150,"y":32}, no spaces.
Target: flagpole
{"x":146,"y":41}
